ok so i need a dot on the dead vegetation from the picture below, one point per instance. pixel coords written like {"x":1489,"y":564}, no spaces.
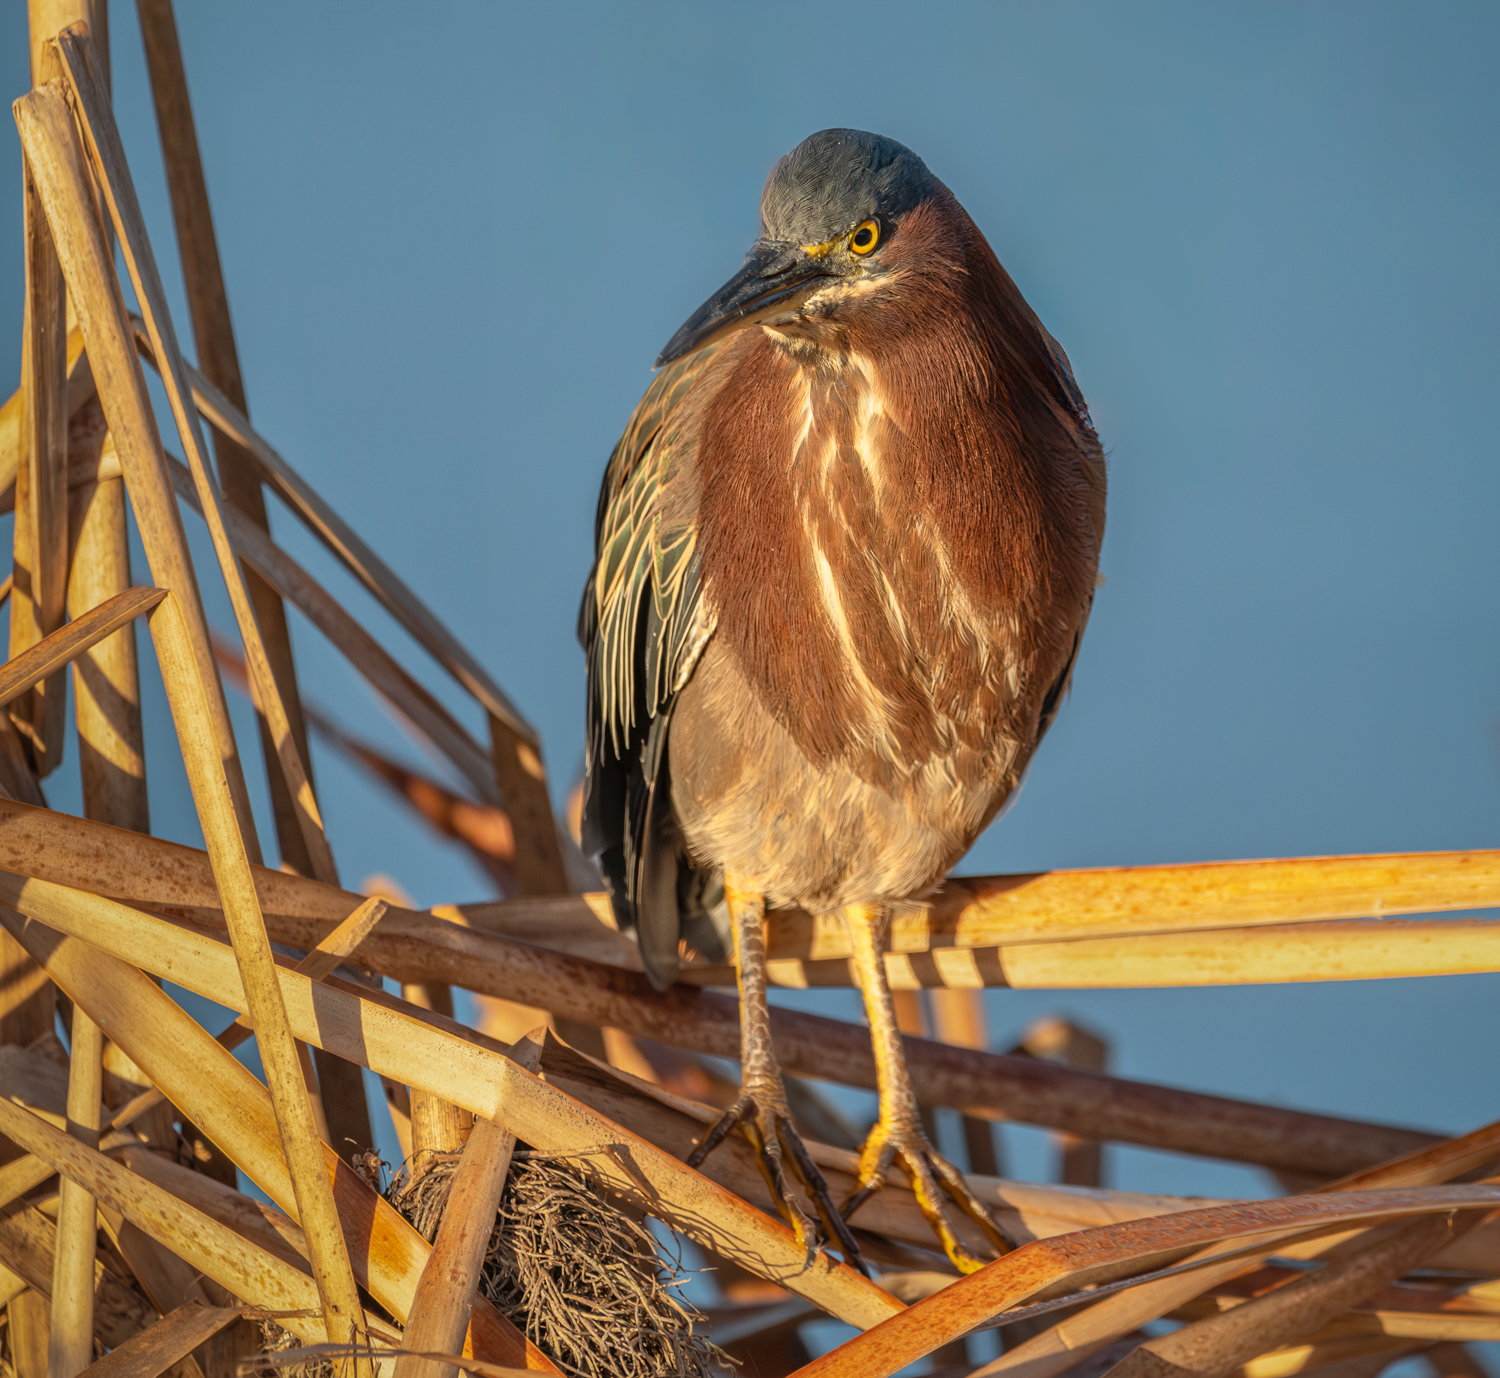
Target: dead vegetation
{"x":127,"y":1247}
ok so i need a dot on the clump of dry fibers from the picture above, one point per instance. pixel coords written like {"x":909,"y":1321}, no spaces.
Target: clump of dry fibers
{"x":582,"y":1281}
{"x":274,"y":1340}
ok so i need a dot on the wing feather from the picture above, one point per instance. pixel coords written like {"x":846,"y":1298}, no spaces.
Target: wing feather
{"x":643,"y":625}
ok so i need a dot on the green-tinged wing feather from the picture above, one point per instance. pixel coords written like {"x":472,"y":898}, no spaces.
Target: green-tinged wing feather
{"x":642,"y":551}
{"x":643,"y":625}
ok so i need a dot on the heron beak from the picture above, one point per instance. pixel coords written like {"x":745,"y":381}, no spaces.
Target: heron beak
{"x":773,"y":273}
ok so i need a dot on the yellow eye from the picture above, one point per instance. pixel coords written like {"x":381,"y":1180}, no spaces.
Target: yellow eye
{"x":865,"y":237}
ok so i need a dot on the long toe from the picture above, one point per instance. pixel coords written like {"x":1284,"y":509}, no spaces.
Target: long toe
{"x":766,"y":1122}
{"x":937,"y":1185}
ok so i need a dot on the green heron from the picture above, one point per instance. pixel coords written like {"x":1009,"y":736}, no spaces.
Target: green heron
{"x":844,"y":554}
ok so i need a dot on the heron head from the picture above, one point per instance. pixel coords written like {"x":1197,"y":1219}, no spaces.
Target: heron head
{"x":830,"y":214}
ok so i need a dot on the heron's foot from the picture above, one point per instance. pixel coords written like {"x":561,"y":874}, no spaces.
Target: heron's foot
{"x":889,"y":1144}
{"x":763,"y":1117}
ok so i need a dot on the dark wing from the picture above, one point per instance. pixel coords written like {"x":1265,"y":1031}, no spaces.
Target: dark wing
{"x":1063,"y":370}
{"x":642,"y":625}
{"x":1063,"y":374}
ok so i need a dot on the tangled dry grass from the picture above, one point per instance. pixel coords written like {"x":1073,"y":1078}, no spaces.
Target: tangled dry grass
{"x":583,"y":1281}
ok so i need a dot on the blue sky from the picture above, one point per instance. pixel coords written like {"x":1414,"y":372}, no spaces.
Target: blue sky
{"x":455,"y":236}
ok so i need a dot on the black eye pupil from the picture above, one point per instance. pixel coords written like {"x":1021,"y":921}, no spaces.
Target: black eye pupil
{"x":863,"y":237}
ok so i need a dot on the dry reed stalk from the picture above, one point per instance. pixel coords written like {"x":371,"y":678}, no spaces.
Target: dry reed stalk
{"x":166,"y":1280}
{"x":577,"y":925}
{"x":17,"y":779}
{"x":30,"y":1324}
{"x":63,"y":647}
{"x":420,"y":948}
{"x":48,"y":18}
{"x":438,"y":1127}
{"x":484,"y":829}
{"x":1077,"y":1259}
{"x":379,"y":580}
{"x":1311,"y":951}
{"x":11,"y":1286}
{"x":28,"y":1247}
{"x":439,"y":1314}
{"x":106,"y":679}
{"x":1440,"y":1162}
{"x":1214,"y":1347}
{"x":13,"y":416}
{"x":232,"y":1261}
{"x":417,"y":1048}
{"x":958,"y":1018}
{"x":1080,"y":1160}
{"x":263,"y":1225}
{"x":316,"y":1210}
{"x":1409,"y":1310}
{"x":12,"y":446}
{"x":71,"y":1348}
{"x":1354,"y":1357}
{"x":216,"y":1091}
{"x":414,"y":703}
{"x":38,"y":596}
{"x":113,"y":173}
{"x":1419,"y":1325}
{"x":154,"y":1350}
{"x":522,"y":779}
{"x":208,"y":307}
{"x":1454,"y":1361}
{"x":1076,"y":1337}
{"x":990,"y":911}
{"x":21,"y":1177}
{"x":675,"y":1124}
{"x":63,"y":180}
{"x":342,"y":943}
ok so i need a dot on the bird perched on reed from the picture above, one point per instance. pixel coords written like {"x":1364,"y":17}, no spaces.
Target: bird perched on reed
{"x":844,"y":554}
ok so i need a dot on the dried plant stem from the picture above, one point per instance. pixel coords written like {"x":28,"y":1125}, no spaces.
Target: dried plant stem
{"x":50,"y":141}
{"x":418,"y":1048}
{"x":958,"y":1017}
{"x":413,"y":947}
{"x":37,"y":604}
{"x":304,"y":1156}
{"x":388,"y":589}
{"x":108,"y":159}
{"x":28,"y":1246}
{"x":171,"y":1339}
{"x":208,"y":305}
{"x":106,"y":678}
{"x":71,"y":1348}
{"x":1217,"y":1346}
{"x":445,"y":1295}
{"x":523,"y":786}
{"x":438,"y":1127}
{"x":216,"y":1091}
{"x":409,"y":698}
{"x":201,"y":1241}
{"x":341,"y":943}
{"x":1312,"y":951}
{"x":65,"y":645}
{"x":1079,"y":1258}
{"x":30,"y":1325}
{"x":1076,"y":1337}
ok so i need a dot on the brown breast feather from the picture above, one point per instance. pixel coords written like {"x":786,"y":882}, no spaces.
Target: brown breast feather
{"x":922,"y":460}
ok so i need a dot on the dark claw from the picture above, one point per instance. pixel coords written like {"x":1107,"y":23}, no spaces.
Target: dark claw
{"x":720,"y":1130}
{"x":749,"y":1115}
{"x":927,"y":1170}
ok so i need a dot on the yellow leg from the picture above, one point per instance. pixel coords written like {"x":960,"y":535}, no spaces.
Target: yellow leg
{"x":898,"y":1135}
{"x":761,"y":1112}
